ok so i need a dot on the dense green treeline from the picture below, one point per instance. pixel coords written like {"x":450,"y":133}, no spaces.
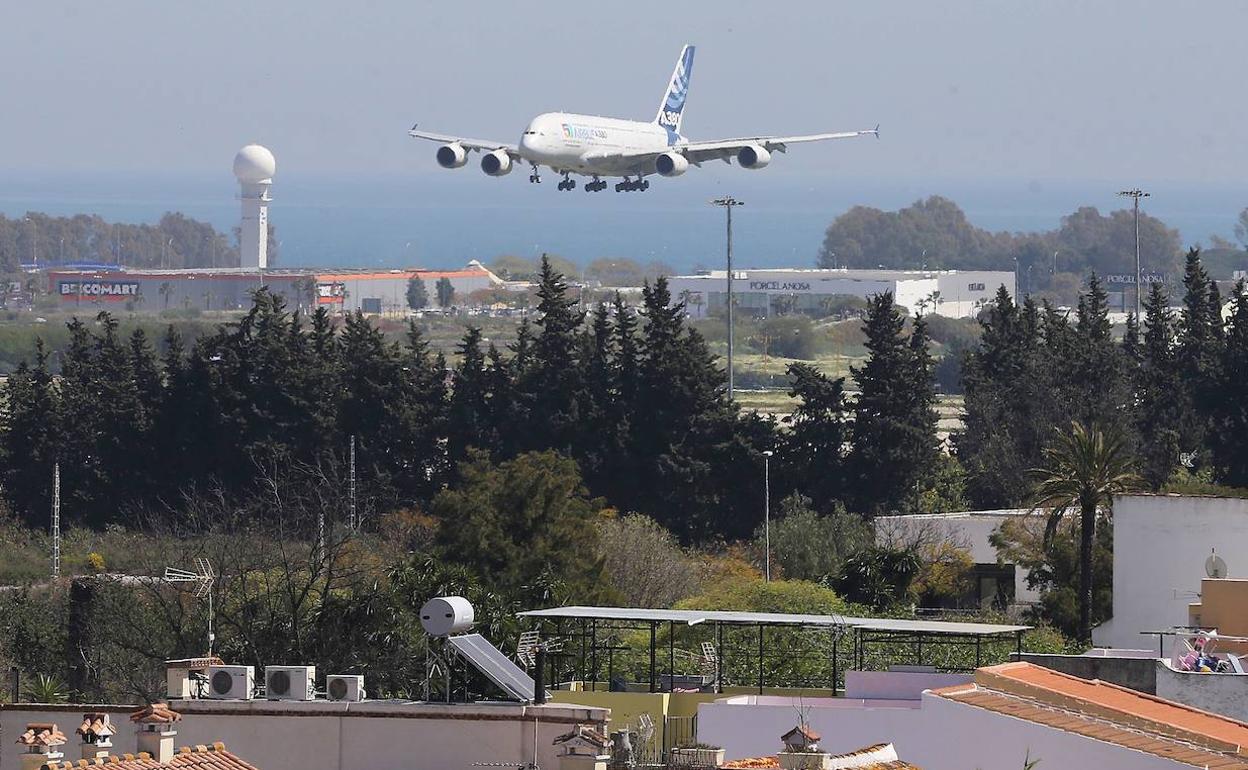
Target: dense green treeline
{"x":1172,"y":386}
{"x":176,"y":241}
{"x":635,"y":398}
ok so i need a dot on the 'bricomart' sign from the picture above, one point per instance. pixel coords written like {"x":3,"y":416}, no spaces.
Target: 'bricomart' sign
{"x":107,"y":290}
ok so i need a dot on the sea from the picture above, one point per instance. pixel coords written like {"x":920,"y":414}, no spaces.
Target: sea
{"x":444,"y":219}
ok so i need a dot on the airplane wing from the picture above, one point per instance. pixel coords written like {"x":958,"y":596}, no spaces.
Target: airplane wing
{"x":724,"y":149}
{"x":485,"y":145}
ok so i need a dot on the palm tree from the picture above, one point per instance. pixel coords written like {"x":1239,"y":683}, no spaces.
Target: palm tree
{"x":166,"y":289}
{"x":1083,"y":470}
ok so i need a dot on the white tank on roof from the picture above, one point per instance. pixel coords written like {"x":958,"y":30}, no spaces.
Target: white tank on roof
{"x":447,"y":615}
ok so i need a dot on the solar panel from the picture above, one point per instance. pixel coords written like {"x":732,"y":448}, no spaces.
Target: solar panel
{"x":496,"y":666}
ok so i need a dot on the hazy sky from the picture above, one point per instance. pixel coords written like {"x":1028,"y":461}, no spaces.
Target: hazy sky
{"x":964,"y":90}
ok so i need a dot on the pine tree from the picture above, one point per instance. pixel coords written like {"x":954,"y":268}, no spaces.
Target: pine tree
{"x":894,"y":435}
{"x":1159,"y":406}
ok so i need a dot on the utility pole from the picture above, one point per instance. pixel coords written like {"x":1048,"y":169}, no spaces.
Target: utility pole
{"x":728,"y":203}
{"x":1135,"y":195}
{"x":56,"y":521}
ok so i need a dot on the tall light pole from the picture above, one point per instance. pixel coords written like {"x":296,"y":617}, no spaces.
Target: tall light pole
{"x":728,"y":202}
{"x":767,"y":514}
{"x":1135,"y":195}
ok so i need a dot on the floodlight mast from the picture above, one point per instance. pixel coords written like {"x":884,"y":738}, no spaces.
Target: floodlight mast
{"x":728,"y":203}
{"x":204,"y":578}
{"x":1135,"y":195}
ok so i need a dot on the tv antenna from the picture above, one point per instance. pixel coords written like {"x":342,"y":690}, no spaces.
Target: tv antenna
{"x":203,"y":577}
{"x":1215,"y":566}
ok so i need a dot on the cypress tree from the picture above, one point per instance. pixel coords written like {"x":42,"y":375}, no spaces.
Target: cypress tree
{"x":812,"y":454}
{"x":555,"y":383}
{"x":894,"y":434}
{"x":1199,"y":352}
{"x":30,"y":438}
{"x":1159,"y":406}
{"x":1229,"y":437}
{"x":469,"y":423}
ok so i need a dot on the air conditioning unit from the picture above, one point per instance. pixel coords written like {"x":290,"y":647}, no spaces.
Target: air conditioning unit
{"x":231,"y":682}
{"x":289,"y":682}
{"x":344,"y":687}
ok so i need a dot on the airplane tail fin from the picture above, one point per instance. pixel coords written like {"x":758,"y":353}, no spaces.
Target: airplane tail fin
{"x":672,"y":108}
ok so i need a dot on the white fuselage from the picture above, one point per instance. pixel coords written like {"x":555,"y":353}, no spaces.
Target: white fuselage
{"x":586,"y":144}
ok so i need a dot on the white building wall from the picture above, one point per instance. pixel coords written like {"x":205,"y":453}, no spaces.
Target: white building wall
{"x":937,"y":735}
{"x":1160,"y":546}
{"x":1225,"y":694}
{"x":960,"y":293}
{"x":970,"y":529}
{"x":276,"y":735}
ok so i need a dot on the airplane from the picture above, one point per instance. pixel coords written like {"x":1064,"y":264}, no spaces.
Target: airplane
{"x":606,"y":147}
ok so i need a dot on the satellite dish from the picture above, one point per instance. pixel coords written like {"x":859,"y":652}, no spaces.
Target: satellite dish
{"x":1215,"y":566}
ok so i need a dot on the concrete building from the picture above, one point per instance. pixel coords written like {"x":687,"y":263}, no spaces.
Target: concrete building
{"x":996,"y":583}
{"x":325,"y":735}
{"x":368,"y":290}
{"x":1161,"y":544}
{"x":954,"y":293}
{"x":1001,"y":717}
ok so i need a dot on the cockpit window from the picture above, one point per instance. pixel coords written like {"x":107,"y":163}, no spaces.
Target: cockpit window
{"x":530,"y":132}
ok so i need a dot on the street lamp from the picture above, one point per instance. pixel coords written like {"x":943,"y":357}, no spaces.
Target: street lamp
{"x":767,"y":514}
{"x":1135,"y":195}
{"x":34,"y":246}
{"x":728,"y":203}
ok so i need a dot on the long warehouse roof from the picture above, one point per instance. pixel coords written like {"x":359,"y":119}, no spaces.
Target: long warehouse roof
{"x":696,"y":617}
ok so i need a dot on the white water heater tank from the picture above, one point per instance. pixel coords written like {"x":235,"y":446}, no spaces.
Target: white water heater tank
{"x":446,"y":615}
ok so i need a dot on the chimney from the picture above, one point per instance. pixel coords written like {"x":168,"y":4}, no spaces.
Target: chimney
{"x":40,"y":741}
{"x":155,"y":730}
{"x":96,"y":733}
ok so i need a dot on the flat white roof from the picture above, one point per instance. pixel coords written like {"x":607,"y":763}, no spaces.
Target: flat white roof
{"x":697,"y":617}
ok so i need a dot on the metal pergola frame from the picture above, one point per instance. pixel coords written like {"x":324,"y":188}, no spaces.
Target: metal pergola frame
{"x":851,"y":641}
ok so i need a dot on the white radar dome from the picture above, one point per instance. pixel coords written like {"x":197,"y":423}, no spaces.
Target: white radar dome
{"x":254,"y":164}
{"x":446,"y":615}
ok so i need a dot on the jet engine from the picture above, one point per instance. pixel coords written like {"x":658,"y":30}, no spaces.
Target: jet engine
{"x":671,"y":164}
{"x":452,"y":156}
{"x":753,"y":156}
{"x":497,"y":163}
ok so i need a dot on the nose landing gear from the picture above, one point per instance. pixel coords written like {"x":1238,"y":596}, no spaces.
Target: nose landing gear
{"x":535,"y":177}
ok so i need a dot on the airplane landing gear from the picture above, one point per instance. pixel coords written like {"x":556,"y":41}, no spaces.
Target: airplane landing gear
{"x":568,"y":183}
{"x":631,"y":185}
{"x":595,"y":185}
{"x":535,"y":177}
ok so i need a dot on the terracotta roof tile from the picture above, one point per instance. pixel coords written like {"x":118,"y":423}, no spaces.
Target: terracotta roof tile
{"x":1117,"y":704}
{"x":96,"y":726}
{"x":41,"y":734}
{"x":214,"y":757}
{"x":1066,"y":717}
{"x":158,"y":713}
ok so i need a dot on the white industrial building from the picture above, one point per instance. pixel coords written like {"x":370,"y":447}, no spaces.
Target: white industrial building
{"x":953,"y":293}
